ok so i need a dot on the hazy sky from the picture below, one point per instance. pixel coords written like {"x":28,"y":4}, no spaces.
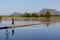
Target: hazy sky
{"x":20,"y":6}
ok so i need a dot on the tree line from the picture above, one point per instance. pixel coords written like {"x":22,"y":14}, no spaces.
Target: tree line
{"x":47,"y":14}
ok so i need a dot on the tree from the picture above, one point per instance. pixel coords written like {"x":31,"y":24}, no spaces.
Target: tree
{"x":26,"y":15}
{"x":41,"y":15}
{"x":34,"y":15}
{"x":47,"y":14}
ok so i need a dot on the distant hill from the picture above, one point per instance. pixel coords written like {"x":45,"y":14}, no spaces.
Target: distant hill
{"x":52,"y":11}
{"x":43,"y":11}
{"x":16,"y":14}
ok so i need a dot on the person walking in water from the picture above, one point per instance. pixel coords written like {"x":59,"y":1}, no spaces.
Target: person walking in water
{"x":12,"y":21}
{"x":13,"y":26}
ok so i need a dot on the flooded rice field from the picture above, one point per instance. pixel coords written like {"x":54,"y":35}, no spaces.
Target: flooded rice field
{"x":42,"y":31}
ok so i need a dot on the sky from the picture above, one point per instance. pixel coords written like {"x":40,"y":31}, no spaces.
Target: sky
{"x":7,"y":7}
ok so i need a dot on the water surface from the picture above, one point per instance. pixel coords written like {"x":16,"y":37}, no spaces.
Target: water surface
{"x":36,"y":32}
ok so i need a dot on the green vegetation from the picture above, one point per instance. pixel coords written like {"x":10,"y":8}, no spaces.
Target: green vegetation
{"x":30,"y":15}
{"x":0,"y":18}
{"x":35,"y":15}
{"x":47,"y":14}
{"x":41,"y":15}
{"x":26,"y":15}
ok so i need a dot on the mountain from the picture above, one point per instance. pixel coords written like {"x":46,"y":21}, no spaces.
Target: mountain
{"x":52,"y":11}
{"x":16,"y":14}
{"x":43,"y":11}
{"x":58,"y":12}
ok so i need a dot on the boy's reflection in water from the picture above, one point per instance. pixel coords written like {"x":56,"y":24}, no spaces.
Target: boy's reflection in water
{"x":12,"y":32}
{"x":7,"y":34}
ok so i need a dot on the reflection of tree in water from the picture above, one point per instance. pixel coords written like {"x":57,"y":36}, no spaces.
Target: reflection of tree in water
{"x":47,"y":24}
{"x":7,"y":34}
{"x":48,"y":21}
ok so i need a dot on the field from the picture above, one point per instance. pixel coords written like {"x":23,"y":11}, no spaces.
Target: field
{"x":17,"y":18}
